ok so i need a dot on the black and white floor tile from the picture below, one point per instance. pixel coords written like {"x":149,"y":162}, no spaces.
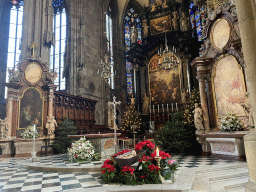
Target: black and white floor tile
{"x":14,"y":177}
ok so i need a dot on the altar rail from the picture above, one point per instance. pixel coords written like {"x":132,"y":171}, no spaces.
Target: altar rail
{"x":77,"y":109}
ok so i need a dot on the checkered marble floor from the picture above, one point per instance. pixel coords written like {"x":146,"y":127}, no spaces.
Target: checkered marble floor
{"x":14,"y":177}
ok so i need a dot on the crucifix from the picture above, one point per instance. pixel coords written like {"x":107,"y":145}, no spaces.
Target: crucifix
{"x":32,"y":46}
{"x":114,"y":103}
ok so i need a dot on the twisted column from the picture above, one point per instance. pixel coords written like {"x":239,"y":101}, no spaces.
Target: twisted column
{"x":203,"y":98}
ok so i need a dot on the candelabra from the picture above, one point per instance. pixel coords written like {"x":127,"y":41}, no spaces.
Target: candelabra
{"x":169,"y":60}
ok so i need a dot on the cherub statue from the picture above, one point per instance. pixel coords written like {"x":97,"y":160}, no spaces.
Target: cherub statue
{"x":198,"y":118}
{"x":13,"y":75}
{"x":51,"y":125}
{"x":51,"y":76}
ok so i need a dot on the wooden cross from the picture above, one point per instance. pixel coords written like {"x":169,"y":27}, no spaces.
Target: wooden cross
{"x":114,"y":103}
{"x":32,"y":46}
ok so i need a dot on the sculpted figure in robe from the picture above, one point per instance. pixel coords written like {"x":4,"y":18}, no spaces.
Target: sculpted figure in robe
{"x":50,"y":125}
{"x":175,"y":20}
{"x":184,"y":22}
{"x":145,"y":106}
{"x":198,"y":118}
{"x":3,"y":127}
{"x":248,"y":110}
{"x":134,"y":34}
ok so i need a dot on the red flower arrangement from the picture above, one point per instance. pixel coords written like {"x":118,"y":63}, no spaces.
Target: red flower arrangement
{"x":108,"y":161}
{"x":153,"y":168}
{"x":161,"y":154}
{"x":127,"y":169}
{"x":144,"y":158}
{"x":144,"y":144}
{"x":107,"y":167}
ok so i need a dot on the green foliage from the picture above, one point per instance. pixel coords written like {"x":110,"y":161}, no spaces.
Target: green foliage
{"x":175,"y":136}
{"x":190,"y":106}
{"x":131,"y":118}
{"x":62,"y":142}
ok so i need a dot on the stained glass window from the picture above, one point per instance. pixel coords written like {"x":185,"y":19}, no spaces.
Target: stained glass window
{"x":109,"y":35}
{"x":58,"y":50}
{"x":130,"y":19}
{"x":197,"y":20}
{"x":15,"y":31}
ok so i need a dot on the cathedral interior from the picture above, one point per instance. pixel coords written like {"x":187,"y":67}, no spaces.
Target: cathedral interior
{"x":127,"y":66}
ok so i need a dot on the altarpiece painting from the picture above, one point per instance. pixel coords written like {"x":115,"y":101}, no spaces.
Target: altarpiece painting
{"x":164,"y":85}
{"x":31,"y":108}
{"x":229,"y":86}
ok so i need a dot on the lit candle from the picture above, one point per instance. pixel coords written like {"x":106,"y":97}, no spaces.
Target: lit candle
{"x":176,"y":107}
{"x":157,"y":152}
{"x":34,"y":127}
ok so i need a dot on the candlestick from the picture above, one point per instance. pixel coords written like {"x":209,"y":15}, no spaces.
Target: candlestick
{"x":158,"y":108}
{"x":153,"y":109}
{"x":150,"y":109}
{"x":167,"y":108}
{"x":34,"y":127}
{"x":172,"y":107}
{"x":176,"y":107}
{"x":157,"y":152}
{"x":163,"y":107}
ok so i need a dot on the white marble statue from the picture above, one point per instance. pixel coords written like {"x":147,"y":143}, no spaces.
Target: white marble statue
{"x":198,"y":118}
{"x":3,"y":127}
{"x":248,"y":110}
{"x":145,"y":106}
{"x":51,"y":125}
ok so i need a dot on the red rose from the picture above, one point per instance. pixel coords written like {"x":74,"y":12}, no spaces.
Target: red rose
{"x":143,"y":176}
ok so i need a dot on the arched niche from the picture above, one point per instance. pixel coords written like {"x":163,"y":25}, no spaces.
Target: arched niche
{"x":165,"y":85}
{"x":229,"y":86}
{"x":31,"y":108}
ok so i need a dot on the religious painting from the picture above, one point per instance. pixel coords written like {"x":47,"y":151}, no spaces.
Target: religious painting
{"x":229,"y":86}
{"x":164,"y":85}
{"x":31,"y":109}
{"x":157,"y":25}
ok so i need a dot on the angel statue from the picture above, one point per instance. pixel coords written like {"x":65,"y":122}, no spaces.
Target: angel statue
{"x":198,"y":118}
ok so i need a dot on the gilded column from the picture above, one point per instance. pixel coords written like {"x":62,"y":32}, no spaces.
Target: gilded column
{"x":203,"y":97}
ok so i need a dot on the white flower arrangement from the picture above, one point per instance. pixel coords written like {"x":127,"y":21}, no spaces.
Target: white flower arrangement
{"x":231,"y":123}
{"x":28,"y":133}
{"x":82,"y":150}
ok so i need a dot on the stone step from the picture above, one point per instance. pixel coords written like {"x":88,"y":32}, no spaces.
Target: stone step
{"x":218,"y":184}
{"x":202,"y":179}
{"x":221,"y":169}
{"x":240,"y":187}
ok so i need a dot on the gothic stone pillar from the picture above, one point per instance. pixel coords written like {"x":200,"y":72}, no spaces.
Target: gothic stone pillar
{"x":246,"y":19}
